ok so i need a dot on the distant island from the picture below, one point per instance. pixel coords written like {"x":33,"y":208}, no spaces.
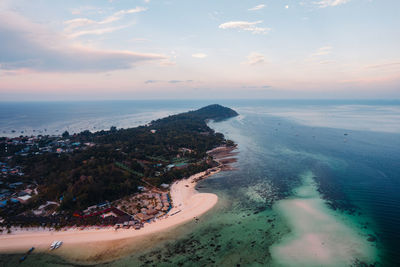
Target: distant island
{"x":119,"y":177}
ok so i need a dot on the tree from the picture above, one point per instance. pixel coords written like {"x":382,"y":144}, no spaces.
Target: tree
{"x":65,"y":134}
{"x":230,"y":143}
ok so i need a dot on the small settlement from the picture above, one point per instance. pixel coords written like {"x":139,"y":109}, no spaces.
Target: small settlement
{"x":129,"y":212}
{"x":132,"y":211}
{"x":14,"y":188}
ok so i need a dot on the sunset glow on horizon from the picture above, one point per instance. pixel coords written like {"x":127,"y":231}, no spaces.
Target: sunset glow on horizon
{"x":120,"y":49}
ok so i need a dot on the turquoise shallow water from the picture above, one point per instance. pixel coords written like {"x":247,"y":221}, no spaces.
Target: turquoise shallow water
{"x":252,"y":220}
{"x":347,"y":180}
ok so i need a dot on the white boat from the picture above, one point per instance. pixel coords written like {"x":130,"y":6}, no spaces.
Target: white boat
{"x":55,"y":245}
{"x":58,"y":244}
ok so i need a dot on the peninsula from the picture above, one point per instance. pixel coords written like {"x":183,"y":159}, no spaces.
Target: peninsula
{"x":140,"y":179}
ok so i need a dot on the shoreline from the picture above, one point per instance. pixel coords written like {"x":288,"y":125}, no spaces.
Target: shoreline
{"x":101,"y":245}
{"x":188,"y":204}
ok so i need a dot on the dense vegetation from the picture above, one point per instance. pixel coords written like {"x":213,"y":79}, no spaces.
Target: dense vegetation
{"x":121,"y":160}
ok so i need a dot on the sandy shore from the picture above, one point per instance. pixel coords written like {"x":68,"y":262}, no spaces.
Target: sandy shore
{"x":188,"y":204}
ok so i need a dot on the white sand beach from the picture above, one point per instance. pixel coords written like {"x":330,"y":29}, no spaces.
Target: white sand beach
{"x":187,"y":205}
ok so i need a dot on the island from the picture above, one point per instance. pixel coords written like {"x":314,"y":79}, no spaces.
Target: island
{"x":138,"y":180}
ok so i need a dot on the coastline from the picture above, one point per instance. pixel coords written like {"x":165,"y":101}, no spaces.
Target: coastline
{"x":86,"y":245}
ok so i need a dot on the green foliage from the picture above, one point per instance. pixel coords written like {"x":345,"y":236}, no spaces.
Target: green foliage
{"x":89,"y":176}
{"x":65,"y":134}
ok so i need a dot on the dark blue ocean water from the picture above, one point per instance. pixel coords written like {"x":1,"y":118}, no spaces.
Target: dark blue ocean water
{"x":351,"y":147}
{"x":28,"y":118}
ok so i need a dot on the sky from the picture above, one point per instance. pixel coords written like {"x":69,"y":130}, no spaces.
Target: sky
{"x":155,"y":49}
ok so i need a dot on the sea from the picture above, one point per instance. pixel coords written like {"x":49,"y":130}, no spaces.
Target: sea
{"x":316,"y":183}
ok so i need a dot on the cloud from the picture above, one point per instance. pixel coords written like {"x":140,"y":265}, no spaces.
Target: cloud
{"x":258,"y":7}
{"x":86,"y":9}
{"x":167,"y":62}
{"x":99,"y":31}
{"x":255,"y":59}
{"x":245,"y":26}
{"x":180,"y":81}
{"x":170,"y":81}
{"x":383,"y":65}
{"x":322,"y":51}
{"x":256,"y":87}
{"x":26,"y":45}
{"x":92,"y":27}
{"x":151,"y":81}
{"x":80,"y":22}
{"x":328,"y":3}
{"x":129,"y":11}
{"x":199,"y":55}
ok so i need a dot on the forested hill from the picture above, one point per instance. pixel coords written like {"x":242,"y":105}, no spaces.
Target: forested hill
{"x":187,"y":129}
{"x":212,"y":112}
{"x":108,"y":165}
{"x":215,"y":112}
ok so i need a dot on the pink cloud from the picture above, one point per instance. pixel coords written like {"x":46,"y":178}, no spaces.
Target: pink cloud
{"x":26,"y":45}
